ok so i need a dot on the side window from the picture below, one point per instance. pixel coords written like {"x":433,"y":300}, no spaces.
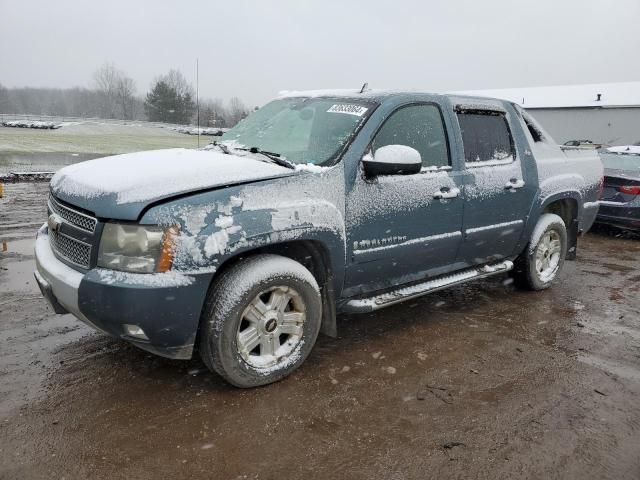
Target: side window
{"x":486,"y":136}
{"x":534,"y":130}
{"x":420,"y":127}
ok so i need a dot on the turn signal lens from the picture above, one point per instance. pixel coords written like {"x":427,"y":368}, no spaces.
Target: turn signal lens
{"x":165,"y":262}
{"x":630,"y":189}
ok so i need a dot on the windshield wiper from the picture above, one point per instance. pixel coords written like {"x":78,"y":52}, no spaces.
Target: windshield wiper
{"x":222,"y":147}
{"x":274,"y":157}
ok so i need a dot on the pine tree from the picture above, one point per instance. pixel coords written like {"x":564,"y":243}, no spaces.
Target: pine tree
{"x":170,"y":100}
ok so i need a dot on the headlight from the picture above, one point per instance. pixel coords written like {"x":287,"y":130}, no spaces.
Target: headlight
{"x":137,"y":248}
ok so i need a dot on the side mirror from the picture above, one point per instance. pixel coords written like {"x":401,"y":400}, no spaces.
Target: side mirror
{"x":392,"y":160}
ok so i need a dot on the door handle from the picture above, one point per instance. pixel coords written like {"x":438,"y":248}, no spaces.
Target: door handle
{"x":514,"y":184}
{"x":446,"y":192}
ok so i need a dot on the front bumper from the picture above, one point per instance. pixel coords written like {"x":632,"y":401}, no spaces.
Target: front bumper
{"x":168,"y":310}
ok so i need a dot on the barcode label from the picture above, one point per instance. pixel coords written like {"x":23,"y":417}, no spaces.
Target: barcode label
{"x":356,"y":110}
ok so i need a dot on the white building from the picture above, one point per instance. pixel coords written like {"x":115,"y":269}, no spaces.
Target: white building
{"x":602,"y":112}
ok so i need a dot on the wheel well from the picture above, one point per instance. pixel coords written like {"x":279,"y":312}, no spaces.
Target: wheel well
{"x":315,"y":257}
{"x":567,"y":209}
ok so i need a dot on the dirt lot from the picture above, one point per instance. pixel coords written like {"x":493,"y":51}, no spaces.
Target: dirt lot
{"x":481,"y":381}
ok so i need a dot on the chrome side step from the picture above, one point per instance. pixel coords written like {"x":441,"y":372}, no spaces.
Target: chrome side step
{"x":369,"y":304}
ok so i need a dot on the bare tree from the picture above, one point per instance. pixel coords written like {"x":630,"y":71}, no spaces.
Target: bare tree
{"x":237,"y":111}
{"x":213,"y":113}
{"x":175,"y":79}
{"x":125,"y":93}
{"x":106,"y":80}
{"x":5,"y":101}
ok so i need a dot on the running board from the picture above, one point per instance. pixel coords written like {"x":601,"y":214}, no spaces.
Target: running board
{"x":369,"y":304}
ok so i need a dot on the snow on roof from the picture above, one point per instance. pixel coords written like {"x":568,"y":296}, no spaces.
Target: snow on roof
{"x":568,"y":96}
{"x":342,"y":92}
{"x":635,"y":149}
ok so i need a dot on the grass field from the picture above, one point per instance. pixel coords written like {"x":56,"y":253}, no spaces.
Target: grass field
{"x":94,"y":138}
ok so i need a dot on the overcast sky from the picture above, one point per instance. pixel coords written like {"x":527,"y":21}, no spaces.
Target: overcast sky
{"x":253,"y":49}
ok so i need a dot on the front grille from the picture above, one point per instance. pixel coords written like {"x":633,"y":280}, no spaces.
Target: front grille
{"x":72,"y":250}
{"x":78,"y":219}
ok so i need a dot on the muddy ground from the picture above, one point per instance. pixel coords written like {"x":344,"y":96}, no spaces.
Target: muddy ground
{"x":482,"y":381}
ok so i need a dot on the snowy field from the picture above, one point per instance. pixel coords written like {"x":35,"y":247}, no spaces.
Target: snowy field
{"x":93,"y":138}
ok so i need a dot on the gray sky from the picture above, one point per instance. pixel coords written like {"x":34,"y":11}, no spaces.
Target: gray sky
{"x":253,"y":49}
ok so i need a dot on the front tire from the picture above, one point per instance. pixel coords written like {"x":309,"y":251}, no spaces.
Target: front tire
{"x":543,"y":258}
{"x":261,"y":320}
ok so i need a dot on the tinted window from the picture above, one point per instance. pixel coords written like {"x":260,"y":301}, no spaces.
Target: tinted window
{"x":419,"y":127}
{"x":485,"y":136}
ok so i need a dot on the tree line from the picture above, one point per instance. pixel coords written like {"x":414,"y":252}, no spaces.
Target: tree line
{"x":114,"y":95}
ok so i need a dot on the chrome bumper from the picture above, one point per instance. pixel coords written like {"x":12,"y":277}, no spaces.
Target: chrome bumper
{"x":57,"y":278}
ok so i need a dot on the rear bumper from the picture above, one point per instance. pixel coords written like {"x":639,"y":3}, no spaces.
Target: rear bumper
{"x":619,"y":215}
{"x":167,"y":309}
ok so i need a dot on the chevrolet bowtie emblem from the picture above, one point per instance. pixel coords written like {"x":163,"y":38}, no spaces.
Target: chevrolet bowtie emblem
{"x":54,"y":222}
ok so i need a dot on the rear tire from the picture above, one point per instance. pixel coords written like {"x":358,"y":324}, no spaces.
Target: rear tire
{"x":543,"y":258}
{"x":261,"y":320}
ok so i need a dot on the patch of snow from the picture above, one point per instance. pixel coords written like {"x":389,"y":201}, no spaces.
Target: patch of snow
{"x":149,"y":175}
{"x":546,"y":220}
{"x":634,"y":149}
{"x":389,"y":194}
{"x":401,"y":154}
{"x":195,"y":218}
{"x":162,"y":280}
{"x":41,"y":125}
{"x":585,"y":95}
{"x":300,"y":202}
{"x":490,"y":163}
{"x":490,"y":106}
{"x":216,"y":243}
{"x":244,"y":279}
{"x":224,"y":221}
{"x":310,"y":167}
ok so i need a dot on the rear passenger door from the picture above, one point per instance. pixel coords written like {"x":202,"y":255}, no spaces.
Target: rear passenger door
{"x":497,"y":195}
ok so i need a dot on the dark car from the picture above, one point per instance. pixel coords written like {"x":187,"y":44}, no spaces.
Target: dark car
{"x":620,"y":198}
{"x":583,"y":143}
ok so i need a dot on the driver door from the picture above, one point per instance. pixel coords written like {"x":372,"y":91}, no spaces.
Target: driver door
{"x":400,"y":229}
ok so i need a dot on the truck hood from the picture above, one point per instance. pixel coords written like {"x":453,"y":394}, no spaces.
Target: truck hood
{"x":121,"y":186}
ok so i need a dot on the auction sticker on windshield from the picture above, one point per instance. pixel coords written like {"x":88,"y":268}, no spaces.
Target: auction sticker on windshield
{"x":356,"y":110}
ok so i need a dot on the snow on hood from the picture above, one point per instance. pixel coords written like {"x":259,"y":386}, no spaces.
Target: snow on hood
{"x":146,"y":176}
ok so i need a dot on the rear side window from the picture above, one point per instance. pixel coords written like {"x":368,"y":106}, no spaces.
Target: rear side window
{"x":420,"y":127}
{"x":486,"y":137}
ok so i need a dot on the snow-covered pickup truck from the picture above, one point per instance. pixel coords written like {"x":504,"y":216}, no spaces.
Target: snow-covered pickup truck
{"x":317,"y":203}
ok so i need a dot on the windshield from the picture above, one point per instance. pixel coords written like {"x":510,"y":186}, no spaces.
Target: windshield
{"x":621,"y":161}
{"x":302,"y":130}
